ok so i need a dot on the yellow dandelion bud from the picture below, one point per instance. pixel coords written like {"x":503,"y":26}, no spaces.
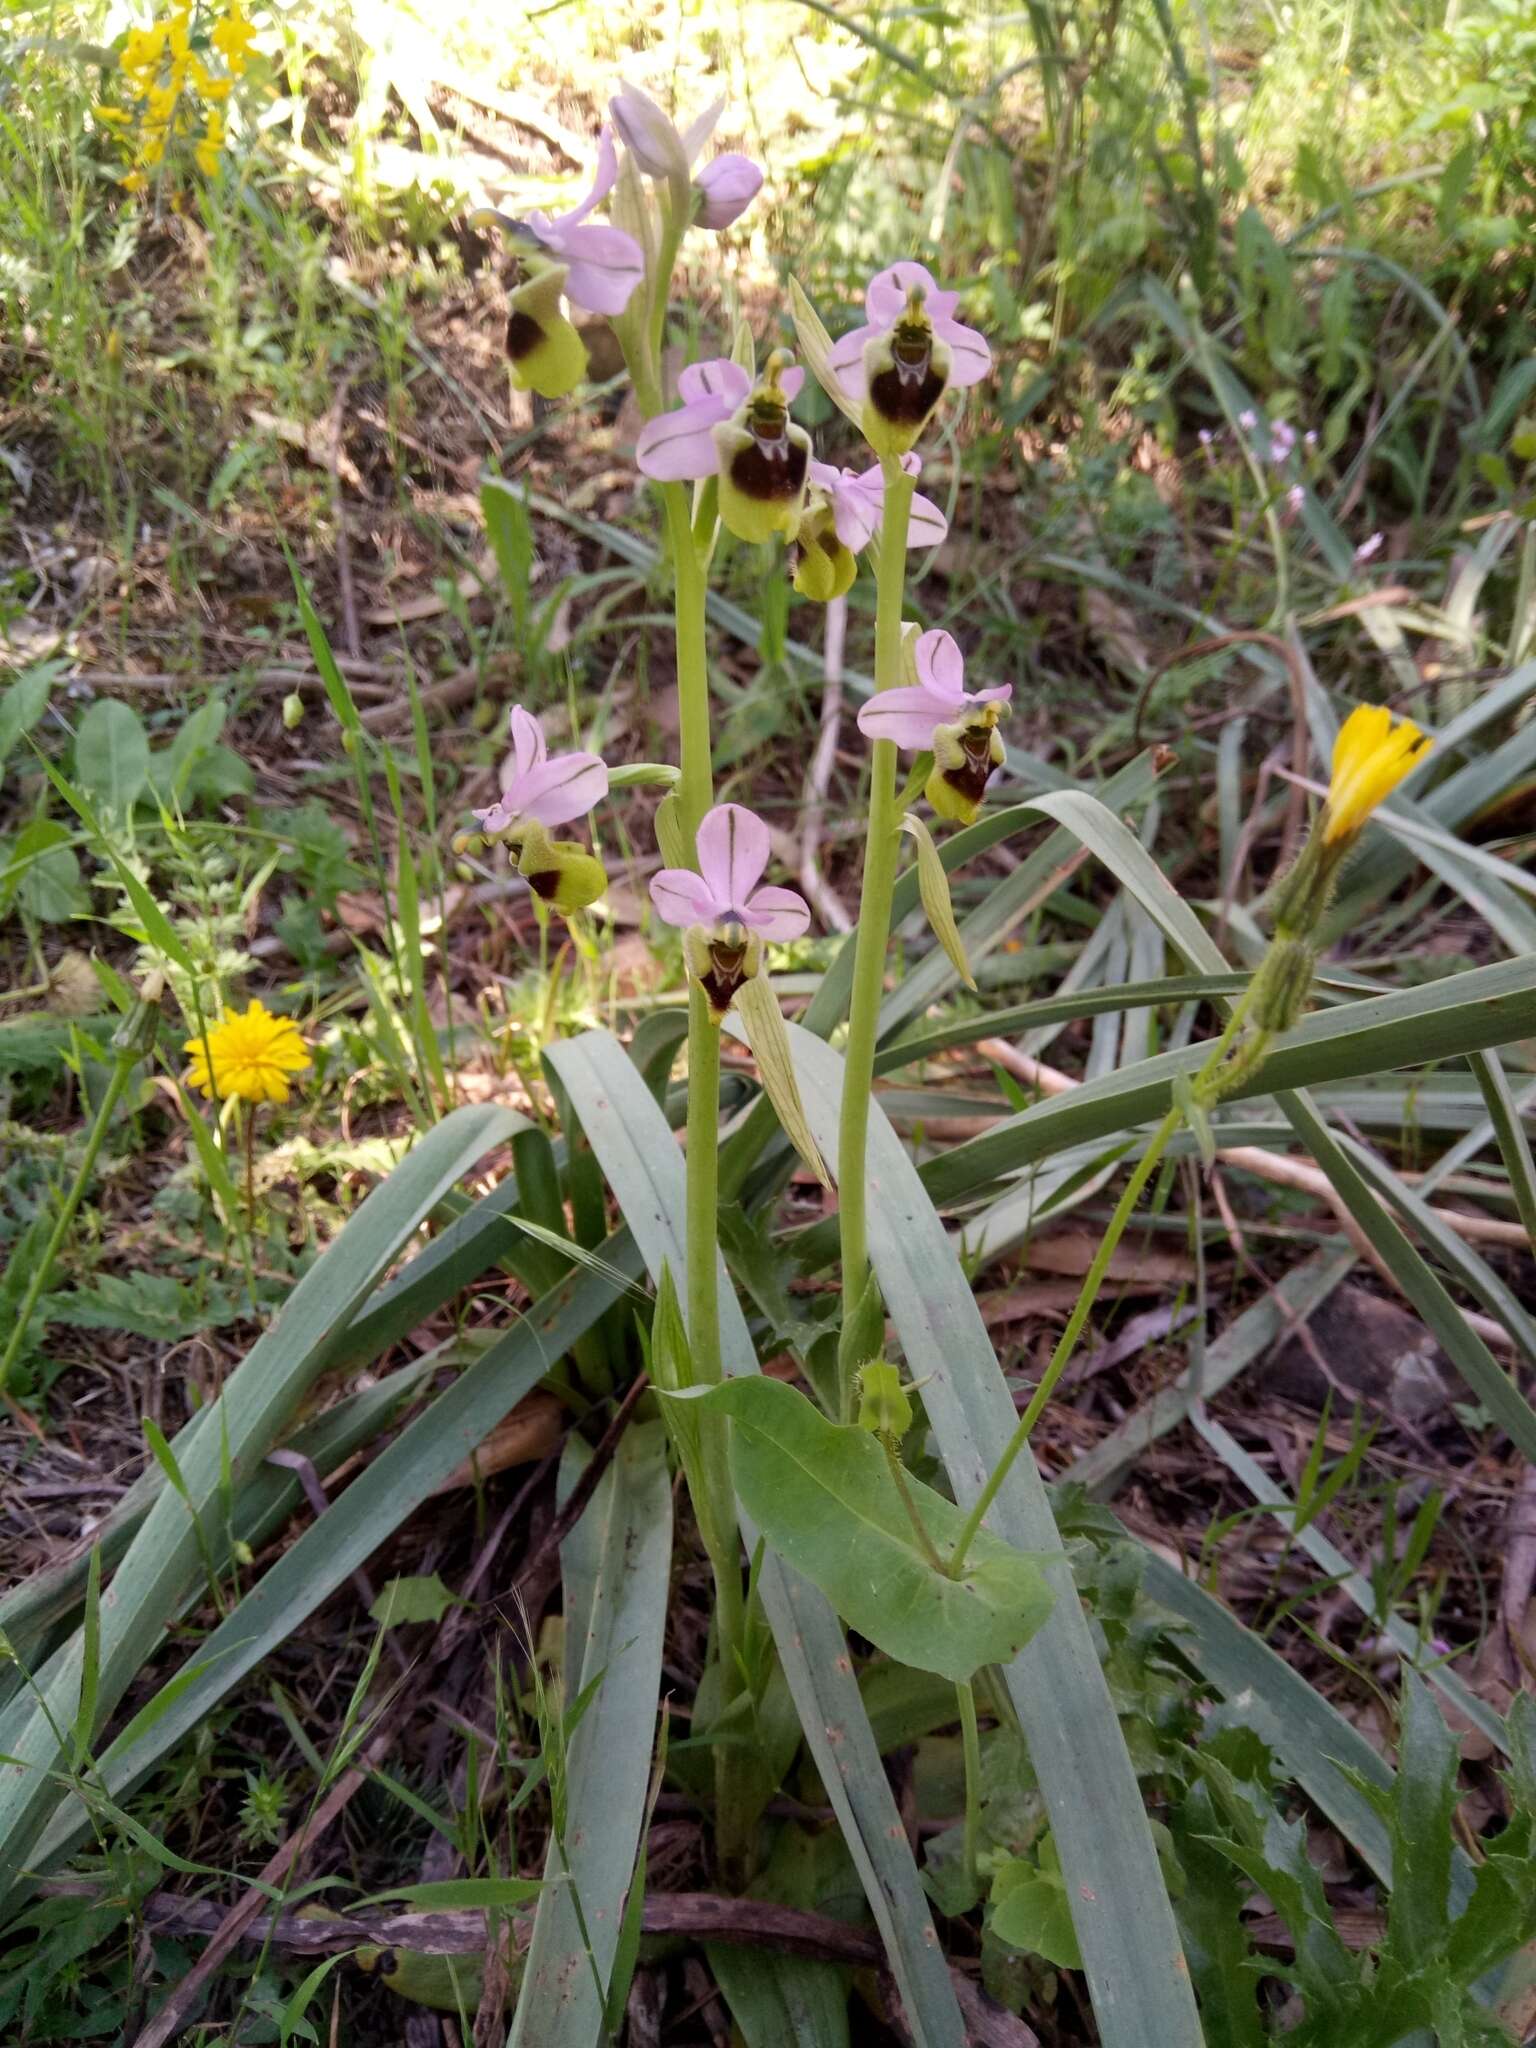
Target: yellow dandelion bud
{"x":250,"y":1053}
{"x":1371,"y":756}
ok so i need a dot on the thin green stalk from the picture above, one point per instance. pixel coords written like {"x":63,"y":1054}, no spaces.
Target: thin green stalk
{"x":695,"y":787}
{"x":122,"y":1067}
{"x":874,"y":926}
{"x":1093,"y":1280}
{"x":735,"y":1806}
{"x":970,"y":1741}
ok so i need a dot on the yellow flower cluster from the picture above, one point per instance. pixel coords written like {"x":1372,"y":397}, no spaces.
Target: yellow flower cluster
{"x":173,"y":90}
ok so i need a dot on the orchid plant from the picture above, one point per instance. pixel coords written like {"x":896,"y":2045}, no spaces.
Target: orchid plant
{"x":726,"y":452}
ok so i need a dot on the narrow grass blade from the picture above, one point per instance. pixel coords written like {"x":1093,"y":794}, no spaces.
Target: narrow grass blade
{"x":645,"y":1170}
{"x":261,"y":1396}
{"x":1510,"y":1134}
{"x":376,"y":1503}
{"x":623,"y":1547}
{"x":1125,"y":1925}
{"x":1487,"y":1006}
{"x":1298,"y":1295}
{"x":1330,"y":1559}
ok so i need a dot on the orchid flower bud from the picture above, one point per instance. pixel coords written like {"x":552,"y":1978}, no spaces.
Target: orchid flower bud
{"x":725,"y":188}
{"x":826,"y":568}
{"x":649,"y":135}
{"x":763,"y":459}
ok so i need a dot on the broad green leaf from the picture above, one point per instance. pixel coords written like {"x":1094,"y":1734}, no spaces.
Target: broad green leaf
{"x":640,"y":1158}
{"x":43,"y":874}
{"x":401,"y":1601}
{"x":1030,"y":1912}
{"x":112,"y":755}
{"x":823,"y":1495}
{"x":623,"y":1546}
{"x":933,"y":889}
{"x":781,"y":2001}
{"x":23,"y":702}
{"x":1422,"y":1809}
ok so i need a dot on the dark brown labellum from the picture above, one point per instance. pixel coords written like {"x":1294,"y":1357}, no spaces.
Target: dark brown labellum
{"x":523,"y":335}
{"x":725,"y":975}
{"x":544,"y":882}
{"x":773,"y":467}
{"x":971,"y":776}
{"x":906,"y":393}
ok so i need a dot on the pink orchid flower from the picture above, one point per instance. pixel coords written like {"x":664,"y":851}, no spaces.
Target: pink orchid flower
{"x":733,"y":848}
{"x":725,"y":187}
{"x":857,"y":499}
{"x":912,"y":714}
{"x":547,"y":789}
{"x":679,"y":446}
{"x":884,"y":303}
{"x":603,"y":263}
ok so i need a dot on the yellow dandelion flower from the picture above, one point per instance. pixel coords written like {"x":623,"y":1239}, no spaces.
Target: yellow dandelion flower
{"x":252,"y":1055}
{"x":1371,"y":756}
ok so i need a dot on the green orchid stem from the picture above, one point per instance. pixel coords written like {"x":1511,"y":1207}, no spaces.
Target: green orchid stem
{"x":42,"y":1272}
{"x":1093,"y":1280}
{"x":874,"y":925}
{"x":965,"y":1695}
{"x":736,"y":1806}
